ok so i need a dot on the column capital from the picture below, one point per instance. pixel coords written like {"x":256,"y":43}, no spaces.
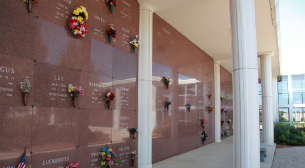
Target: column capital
{"x":265,"y":54}
{"x":216,"y":62}
{"x":144,"y":6}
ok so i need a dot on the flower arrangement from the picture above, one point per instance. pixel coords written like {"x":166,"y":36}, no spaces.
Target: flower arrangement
{"x":204,"y":136}
{"x":109,"y":96}
{"x":211,"y":108}
{"x":167,"y":81}
{"x":72,"y":165}
{"x":209,"y":95}
{"x":226,"y":132}
{"x":133,"y":131}
{"x":222,"y":108}
{"x":111,"y":3}
{"x":188,"y":105}
{"x":75,"y":91}
{"x":133,"y":155}
{"x":169,"y":103}
{"x":77,"y":23}
{"x":222,"y":97}
{"x":222,"y":122}
{"x":111,"y":33}
{"x":204,"y":122}
{"x":108,"y":157}
{"x":229,"y":121}
{"x":135,"y":43}
{"x":25,"y":86}
{"x":221,"y":133}
{"x":30,"y":2}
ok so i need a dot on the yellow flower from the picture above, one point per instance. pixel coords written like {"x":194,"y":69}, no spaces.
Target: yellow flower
{"x":75,"y":12}
{"x":109,"y":155}
{"x":76,"y":31}
{"x":79,"y":10}
{"x":103,"y":153}
{"x":83,"y":7}
{"x":103,"y":163}
{"x":110,"y":149}
{"x":86,"y":15}
{"x":136,"y":44}
{"x":70,"y":89}
{"x":80,"y":19}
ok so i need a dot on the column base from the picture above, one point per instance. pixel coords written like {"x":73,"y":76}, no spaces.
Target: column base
{"x":145,"y":166}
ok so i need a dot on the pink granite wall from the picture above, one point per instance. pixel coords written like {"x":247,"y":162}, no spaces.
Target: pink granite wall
{"x":39,"y":45}
{"x":177,"y":131}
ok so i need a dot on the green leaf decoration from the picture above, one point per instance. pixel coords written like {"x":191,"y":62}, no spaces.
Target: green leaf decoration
{"x":104,"y":157}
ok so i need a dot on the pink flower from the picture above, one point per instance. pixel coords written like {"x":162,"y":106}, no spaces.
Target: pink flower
{"x":81,"y":92}
{"x":110,"y":163}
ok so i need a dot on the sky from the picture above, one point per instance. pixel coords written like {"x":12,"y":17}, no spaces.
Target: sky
{"x":292,"y":29}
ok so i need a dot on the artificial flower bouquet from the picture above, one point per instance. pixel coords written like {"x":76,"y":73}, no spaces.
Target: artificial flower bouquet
{"x":222,"y":108}
{"x":167,"y":81}
{"x":229,"y":121}
{"x":204,"y":136}
{"x":72,"y":165}
{"x":221,"y":133}
{"x":188,"y":105}
{"x":135,"y":43}
{"x":111,"y":3}
{"x":25,"y":86}
{"x":222,"y":122}
{"x":75,"y":91}
{"x":30,"y":2}
{"x":226,"y":132}
{"x":111,"y":33}
{"x":204,"y":122}
{"x":109,"y":96}
{"x":211,"y":108}
{"x":222,"y":97}
{"x":169,"y":103}
{"x":108,"y":157}
{"x":133,"y":155}
{"x":77,"y":23}
{"x":133,"y":131}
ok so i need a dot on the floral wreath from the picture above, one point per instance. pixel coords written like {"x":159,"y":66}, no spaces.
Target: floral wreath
{"x":77,"y":25}
{"x":204,"y":122}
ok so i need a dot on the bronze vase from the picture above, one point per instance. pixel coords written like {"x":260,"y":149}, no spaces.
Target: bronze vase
{"x":189,"y":109}
{"x":25,"y":98}
{"x":132,"y":134}
{"x":108,"y":104}
{"x":132,"y":162}
{"x":166,"y":85}
{"x":30,"y":5}
{"x":74,"y":101}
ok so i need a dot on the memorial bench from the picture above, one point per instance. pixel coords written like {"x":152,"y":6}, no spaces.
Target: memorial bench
{"x":263,"y":150}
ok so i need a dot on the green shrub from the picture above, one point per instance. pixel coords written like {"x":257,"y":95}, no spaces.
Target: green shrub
{"x":288,"y":135}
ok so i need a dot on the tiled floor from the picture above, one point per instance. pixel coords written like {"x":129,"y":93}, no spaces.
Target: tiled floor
{"x":215,"y":155}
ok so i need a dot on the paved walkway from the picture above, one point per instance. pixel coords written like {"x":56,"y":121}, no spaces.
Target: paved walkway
{"x":215,"y":155}
{"x":289,"y":158}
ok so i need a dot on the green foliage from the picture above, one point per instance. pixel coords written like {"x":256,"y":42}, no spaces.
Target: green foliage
{"x":288,"y":135}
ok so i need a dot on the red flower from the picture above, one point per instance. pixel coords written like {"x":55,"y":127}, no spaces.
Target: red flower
{"x":107,"y":158}
{"x":35,"y":2}
{"x":111,"y":96}
{"x":84,"y":25}
{"x":78,"y":35}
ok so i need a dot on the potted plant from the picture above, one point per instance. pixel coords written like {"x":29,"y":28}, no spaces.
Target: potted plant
{"x":167,"y":81}
{"x":204,"y":136}
{"x":75,"y":91}
{"x":30,"y":2}
{"x":108,"y":157}
{"x":111,"y":32}
{"x":204,"y":122}
{"x":169,"y":103}
{"x":133,"y":131}
{"x":133,"y":155}
{"x":111,"y":3}
{"x":188,"y":105}
{"x":109,"y":96}
{"x":135,"y":43}
{"x":211,"y":108}
{"x":73,"y":165}
{"x":25,"y":86}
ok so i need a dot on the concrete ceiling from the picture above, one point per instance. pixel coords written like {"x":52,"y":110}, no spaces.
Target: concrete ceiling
{"x":209,"y":21}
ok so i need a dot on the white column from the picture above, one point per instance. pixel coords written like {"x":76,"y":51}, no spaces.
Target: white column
{"x":145,"y":87}
{"x":217,"y":100}
{"x":275,"y":100}
{"x":267,"y":100}
{"x":246,"y":147}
